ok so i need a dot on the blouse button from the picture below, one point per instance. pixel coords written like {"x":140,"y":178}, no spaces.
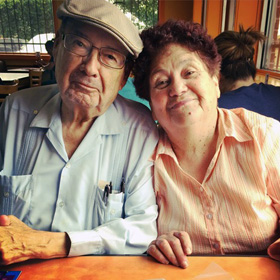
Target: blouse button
{"x":216,"y":246}
{"x":209,"y":216}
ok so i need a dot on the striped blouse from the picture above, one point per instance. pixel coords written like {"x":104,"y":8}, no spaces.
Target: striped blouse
{"x":236,"y":208}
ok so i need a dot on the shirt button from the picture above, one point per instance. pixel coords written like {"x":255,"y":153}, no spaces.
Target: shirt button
{"x":6,"y":194}
{"x":113,"y":212}
{"x":61,"y":204}
{"x":209,"y":216}
{"x":216,"y":246}
{"x":68,"y":165}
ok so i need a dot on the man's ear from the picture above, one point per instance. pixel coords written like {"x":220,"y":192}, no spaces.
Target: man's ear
{"x":128,"y":67}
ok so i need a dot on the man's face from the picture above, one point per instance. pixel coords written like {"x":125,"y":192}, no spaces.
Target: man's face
{"x":84,"y":82}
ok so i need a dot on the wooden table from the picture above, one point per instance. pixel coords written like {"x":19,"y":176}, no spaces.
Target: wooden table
{"x":23,"y":78}
{"x":23,"y":69}
{"x":143,"y":268}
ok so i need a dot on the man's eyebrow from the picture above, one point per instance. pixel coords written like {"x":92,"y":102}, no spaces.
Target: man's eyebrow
{"x":81,"y":34}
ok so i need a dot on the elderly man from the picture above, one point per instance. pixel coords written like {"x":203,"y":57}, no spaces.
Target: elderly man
{"x":75,"y":172}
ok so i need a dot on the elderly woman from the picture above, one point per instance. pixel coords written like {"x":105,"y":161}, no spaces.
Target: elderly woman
{"x":216,"y":172}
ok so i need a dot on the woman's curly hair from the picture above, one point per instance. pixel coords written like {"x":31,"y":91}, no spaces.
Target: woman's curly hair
{"x":185,"y":33}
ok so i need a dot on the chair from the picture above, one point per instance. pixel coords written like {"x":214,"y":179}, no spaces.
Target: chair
{"x":6,"y":90}
{"x":35,"y":77}
{"x":3,"y":66}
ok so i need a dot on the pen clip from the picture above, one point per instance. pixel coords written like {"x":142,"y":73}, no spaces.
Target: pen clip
{"x":106,"y":194}
{"x":123,"y":185}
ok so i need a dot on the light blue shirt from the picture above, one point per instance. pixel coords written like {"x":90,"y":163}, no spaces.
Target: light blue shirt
{"x":48,"y":191}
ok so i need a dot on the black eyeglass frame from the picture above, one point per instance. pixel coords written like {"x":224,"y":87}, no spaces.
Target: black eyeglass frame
{"x":125,"y":60}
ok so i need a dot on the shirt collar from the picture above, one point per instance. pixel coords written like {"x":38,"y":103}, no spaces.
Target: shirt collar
{"x":108,"y":123}
{"x":229,"y":125}
{"x":48,"y":113}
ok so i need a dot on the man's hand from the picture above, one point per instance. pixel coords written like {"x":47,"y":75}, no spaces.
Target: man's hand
{"x":4,"y":220}
{"x":18,"y":242}
{"x":172,"y":247}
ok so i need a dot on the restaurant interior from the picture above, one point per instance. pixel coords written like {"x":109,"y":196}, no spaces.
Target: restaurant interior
{"x":20,"y":70}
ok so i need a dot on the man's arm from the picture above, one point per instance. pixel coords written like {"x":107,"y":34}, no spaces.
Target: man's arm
{"x":129,"y":235}
{"x":19,"y":242}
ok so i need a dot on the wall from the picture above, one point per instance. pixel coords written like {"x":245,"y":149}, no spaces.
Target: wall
{"x":173,"y":9}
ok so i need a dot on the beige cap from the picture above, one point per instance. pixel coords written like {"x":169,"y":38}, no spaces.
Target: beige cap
{"x":106,"y":16}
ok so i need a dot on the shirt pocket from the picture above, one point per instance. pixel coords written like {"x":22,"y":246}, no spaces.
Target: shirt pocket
{"x":16,"y":194}
{"x":111,"y":209}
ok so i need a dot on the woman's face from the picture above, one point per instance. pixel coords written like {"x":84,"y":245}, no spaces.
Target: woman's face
{"x":181,"y":89}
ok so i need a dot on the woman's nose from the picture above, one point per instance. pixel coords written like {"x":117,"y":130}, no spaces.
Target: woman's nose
{"x":177,"y":87}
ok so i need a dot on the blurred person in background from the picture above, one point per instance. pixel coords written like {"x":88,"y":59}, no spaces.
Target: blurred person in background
{"x":238,"y":72}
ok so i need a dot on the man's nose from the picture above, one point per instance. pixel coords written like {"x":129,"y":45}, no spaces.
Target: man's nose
{"x":92,"y":63}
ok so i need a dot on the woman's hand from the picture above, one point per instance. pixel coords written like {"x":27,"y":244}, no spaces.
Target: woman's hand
{"x":172,"y":247}
{"x":274,"y":250}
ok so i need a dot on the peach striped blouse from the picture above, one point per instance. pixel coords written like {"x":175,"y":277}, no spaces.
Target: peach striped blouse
{"x":236,"y":208}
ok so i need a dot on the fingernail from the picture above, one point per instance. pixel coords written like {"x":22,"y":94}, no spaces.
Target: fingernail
{"x":189,"y":251}
{"x":185,"y":264}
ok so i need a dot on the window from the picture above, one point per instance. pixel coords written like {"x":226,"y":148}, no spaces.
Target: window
{"x":271,"y":28}
{"x":25,"y":25}
{"x":143,"y":13}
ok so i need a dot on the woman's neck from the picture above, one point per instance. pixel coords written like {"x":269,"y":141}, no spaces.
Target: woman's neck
{"x":243,"y":83}
{"x":195,"y":147}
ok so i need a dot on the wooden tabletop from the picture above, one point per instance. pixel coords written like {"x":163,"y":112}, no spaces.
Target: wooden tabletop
{"x":144,"y":267}
{"x":7,"y":76}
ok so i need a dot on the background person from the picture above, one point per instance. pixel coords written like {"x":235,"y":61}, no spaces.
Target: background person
{"x":60,"y":147}
{"x":49,"y":69}
{"x":216,"y":171}
{"x":238,"y":72}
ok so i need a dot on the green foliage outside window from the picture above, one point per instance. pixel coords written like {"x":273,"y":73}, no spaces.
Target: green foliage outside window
{"x":22,"y":20}
{"x":143,"y":13}
{"x":25,"y":18}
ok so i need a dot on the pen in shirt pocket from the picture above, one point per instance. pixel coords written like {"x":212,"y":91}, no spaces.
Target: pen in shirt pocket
{"x":123,"y":185}
{"x":106,"y":193}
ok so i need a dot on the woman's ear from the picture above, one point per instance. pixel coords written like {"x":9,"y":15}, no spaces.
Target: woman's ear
{"x":216,"y":83}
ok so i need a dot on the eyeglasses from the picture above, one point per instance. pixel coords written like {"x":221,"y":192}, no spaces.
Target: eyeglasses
{"x":82,"y":47}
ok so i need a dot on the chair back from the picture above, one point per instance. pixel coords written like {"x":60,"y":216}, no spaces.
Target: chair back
{"x":35,"y":77}
{"x":6,"y":90}
{"x":3,"y":66}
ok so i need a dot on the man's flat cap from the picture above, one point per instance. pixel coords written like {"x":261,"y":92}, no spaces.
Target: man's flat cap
{"x":107,"y":16}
